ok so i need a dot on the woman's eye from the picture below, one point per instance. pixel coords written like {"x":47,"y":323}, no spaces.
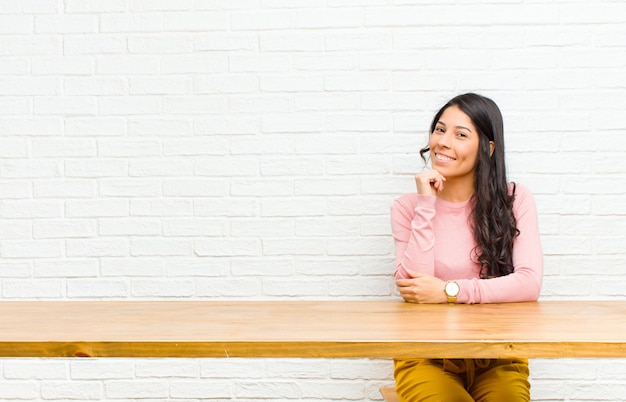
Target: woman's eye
{"x":462,"y":135}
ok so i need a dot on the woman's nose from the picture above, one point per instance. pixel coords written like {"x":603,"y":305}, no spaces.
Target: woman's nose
{"x":444,"y":140}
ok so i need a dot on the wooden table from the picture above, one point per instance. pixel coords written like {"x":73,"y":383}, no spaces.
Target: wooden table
{"x":321,"y":329}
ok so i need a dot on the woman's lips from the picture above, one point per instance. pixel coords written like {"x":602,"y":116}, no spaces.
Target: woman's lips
{"x":443,"y":158}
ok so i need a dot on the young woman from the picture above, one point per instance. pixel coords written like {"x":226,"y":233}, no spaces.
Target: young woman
{"x":466,"y":236}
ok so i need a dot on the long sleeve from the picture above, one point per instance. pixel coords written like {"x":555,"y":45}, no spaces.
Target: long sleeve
{"x":412,"y":230}
{"x":434,"y":237}
{"x":524,"y":284}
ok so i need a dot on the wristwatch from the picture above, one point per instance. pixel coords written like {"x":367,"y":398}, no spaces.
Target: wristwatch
{"x":451,"y":290}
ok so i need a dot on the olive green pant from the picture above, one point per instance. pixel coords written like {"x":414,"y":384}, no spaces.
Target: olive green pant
{"x":462,"y":380}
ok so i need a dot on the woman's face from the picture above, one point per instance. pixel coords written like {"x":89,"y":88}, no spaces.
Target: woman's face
{"x":454,"y":145}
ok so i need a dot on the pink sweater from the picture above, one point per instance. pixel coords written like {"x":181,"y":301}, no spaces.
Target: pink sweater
{"x":433,"y":236}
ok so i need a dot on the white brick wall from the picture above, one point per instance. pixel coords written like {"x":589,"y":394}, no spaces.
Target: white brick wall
{"x":249,"y":149}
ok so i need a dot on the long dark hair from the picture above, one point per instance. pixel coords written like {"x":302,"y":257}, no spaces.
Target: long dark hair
{"x":492,"y":218}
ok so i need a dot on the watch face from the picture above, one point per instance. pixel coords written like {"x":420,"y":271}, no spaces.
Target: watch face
{"x":452,"y":288}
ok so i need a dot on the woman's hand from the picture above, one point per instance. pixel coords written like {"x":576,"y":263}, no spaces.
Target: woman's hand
{"x":429,"y":182}
{"x":422,"y":288}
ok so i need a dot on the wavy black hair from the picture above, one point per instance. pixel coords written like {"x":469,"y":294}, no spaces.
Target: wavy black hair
{"x":492,"y":218}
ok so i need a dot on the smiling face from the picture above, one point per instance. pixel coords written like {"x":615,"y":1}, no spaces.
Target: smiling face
{"x":454,"y":145}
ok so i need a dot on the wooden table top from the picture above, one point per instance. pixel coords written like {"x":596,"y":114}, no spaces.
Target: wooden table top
{"x":323,"y":329}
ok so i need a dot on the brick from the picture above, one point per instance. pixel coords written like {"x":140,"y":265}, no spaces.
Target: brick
{"x":18,"y":45}
{"x":97,"y":288}
{"x":241,"y":63}
{"x":32,"y":86}
{"x":29,"y":7}
{"x":32,"y":249}
{"x":118,"y":389}
{"x":160,"y":86}
{"x":132,"y":266}
{"x":285,"y":83}
{"x":262,"y":20}
{"x":65,"y":188}
{"x":301,"y":246}
{"x":161,"y":207}
{"x":195,"y":146}
{"x":295,"y":287}
{"x":397,"y":17}
{"x":160,"y":247}
{"x":66,"y":24}
{"x":325,"y":266}
{"x":159,"y":127}
{"x":129,"y":188}
{"x":79,"y":268}
{"x":359,"y":122}
{"x":101,"y":370}
{"x":324,"y":61}
{"x":265,"y":266}
{"x":194,"y":188}
{"x":127,"y":23}
{"x":94,"y":86}
{"x":75,"y":65}
{"x":291,"y":42}
{"x":195,"y":105}
{"x":95,"y":126}
{"x":32,"y":289}
{"x":226,"y":126}
{"x":201,"y":389}
{"x":94,"y":6}
{"x":19,"y":390}
{"x":16,"y":270}
{"x":128,"y":227}
{"x":96,"y":208}
{"x":361,"y":246}
{"x":233,"y":368}
{"x":14,"y":24}
{"x":59,"y":229}
{"x":196,"y":227}
{"x":261,"y":187}
{"x":160,"y":44}
{"x":365,"y":81}
{"x":127,"y":64}
{"x":196,"y":21}
{"x":97,"y":247}
{"x":197,"y":267}
{"x":94,"y":44}
{"x":226,"y":41}
{"x":268,"y":145}
{"x":292,"y":166}
{"x":201,"y":63}
{"x":334,"y":186}
{"x":13,"y":106}
{"x":159,"y":168}
{"x":30,"y":370}
{"x":329,"y":18}
{"x":293,"y":207}
{"x":348,"y":390}
{"x":16,"y":230}
{"x":258,"y":104}
{"x":45,"y":148}
{"x":227,"y":247}
{"x":182,"y":368}
{"x":235,"y":288}
{"x":15,"y":190}
{"x":162,"y":288}
{"x":261,"y":227}
{"x":160,"y":5}
{"x":225,"y":207}
{"x":137,"y":105}
{"x":226,"y":84}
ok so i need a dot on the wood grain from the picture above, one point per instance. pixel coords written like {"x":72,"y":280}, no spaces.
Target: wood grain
{"x":329,"y":329}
